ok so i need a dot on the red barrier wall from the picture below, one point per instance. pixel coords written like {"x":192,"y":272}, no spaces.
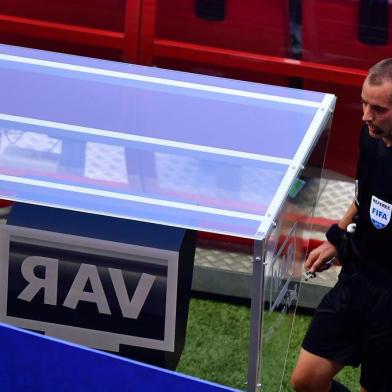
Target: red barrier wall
{"x":330,"y":35}
{"x":259,"y":26}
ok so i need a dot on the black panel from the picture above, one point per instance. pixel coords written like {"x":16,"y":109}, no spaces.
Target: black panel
{"x":211,"y":9}
{"x":373,"y":22}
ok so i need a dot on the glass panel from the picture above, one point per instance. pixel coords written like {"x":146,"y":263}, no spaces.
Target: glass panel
{"x":136,"y":180}
{"x":287,"y":247}
{"x":148,"y":144}
{"x":201,"y":114}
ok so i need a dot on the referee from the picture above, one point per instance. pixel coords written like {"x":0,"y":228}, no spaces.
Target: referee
{"x":353,"y":324}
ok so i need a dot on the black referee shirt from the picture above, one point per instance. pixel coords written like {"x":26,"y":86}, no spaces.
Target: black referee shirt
{"x":373,"y":237}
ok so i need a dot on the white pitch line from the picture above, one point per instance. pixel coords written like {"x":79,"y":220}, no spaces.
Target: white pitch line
{"x":137,"y":199}
{"x":161,"y":81}
{"x":144,"y":139}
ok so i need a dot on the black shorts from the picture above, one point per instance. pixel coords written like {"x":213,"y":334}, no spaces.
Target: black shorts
{"x":353,"y":326}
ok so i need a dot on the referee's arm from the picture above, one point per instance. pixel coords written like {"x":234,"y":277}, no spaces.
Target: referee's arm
{"x":326,"y":251}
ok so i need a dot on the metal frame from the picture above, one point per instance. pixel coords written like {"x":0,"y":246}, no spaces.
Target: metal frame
{"x":297,"y":164}
{"x":256,"y":322}
{"x":293,"y":165}
{"x":257,"y":293}
{"x":260,"y":249}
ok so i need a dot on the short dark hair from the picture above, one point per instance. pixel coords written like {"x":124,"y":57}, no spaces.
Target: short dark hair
{"x":380,"y":72}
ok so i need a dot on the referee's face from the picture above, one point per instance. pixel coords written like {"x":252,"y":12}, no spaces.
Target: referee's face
{"x":377,"y":110}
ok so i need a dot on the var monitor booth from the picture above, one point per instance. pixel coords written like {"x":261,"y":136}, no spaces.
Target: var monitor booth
{"x":117,"y":285}
{"x":113,"y":168}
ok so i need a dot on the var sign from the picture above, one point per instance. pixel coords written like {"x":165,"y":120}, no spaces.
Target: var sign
{"x":94,"y":292}
{"x":87,"y":275}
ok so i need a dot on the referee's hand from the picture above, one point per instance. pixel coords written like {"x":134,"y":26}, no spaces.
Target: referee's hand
{"x":318,"y":258}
